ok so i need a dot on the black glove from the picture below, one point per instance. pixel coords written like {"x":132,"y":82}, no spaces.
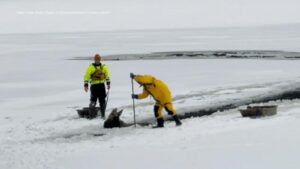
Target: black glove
{"x":132,"y":75}
{"x":134,"y":96}
{"x":86,"y":85}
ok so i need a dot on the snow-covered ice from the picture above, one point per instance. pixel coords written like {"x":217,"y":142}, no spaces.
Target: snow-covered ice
{"x":40,"y":93}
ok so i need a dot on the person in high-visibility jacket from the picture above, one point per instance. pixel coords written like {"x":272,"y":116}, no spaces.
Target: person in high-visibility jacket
{"x":97,"y":74}
{"x":160,"y":93}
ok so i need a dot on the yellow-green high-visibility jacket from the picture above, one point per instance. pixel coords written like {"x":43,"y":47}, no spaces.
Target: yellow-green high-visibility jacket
{"x":91,"y":71}
{"x":154,"y":87}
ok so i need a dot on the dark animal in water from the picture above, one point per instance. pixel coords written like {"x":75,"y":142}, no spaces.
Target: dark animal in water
{"x":113,"y":120}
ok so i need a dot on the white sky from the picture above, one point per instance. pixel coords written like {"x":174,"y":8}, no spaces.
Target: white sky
{"x":23,"y":16}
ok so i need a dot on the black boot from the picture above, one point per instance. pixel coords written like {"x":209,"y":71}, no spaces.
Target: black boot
{"x":160,"y":123}
{"x":92,"y":110}
{"x":177,"y":121}
{"x":102,"y":110}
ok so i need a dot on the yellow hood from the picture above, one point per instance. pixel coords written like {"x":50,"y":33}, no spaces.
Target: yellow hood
{"x":144,"y":79}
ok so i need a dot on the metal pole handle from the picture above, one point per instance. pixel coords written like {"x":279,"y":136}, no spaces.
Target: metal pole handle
{"x":133,"y":106}
{"x":107,"y":94}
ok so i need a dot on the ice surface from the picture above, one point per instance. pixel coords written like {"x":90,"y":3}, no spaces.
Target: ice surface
{"x":41,"y":89}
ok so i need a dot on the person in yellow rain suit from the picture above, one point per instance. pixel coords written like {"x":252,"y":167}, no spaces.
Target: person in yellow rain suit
{"x":97,"y":74}
{"x":160,"y":93}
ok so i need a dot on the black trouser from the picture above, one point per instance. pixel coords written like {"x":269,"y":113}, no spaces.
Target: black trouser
{"x":98,"y":92}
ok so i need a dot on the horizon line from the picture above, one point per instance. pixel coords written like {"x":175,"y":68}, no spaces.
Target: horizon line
{"x":154,"y":29}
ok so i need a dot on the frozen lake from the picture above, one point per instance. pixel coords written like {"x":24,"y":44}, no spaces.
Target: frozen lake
{"x":64,"y":45}
{"x":40,"y":90}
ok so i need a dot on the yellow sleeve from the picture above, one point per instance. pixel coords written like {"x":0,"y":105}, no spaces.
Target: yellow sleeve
{"x":106,"y":72}
{"x":87,"y":76}
{"x":143,"y":95}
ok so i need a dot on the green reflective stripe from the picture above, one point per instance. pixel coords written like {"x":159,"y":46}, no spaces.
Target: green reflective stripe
{"x":97,"y":81}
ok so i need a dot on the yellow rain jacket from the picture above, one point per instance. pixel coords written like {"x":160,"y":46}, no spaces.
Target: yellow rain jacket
{"x":154,"y":87}
{"x":96,"y":74}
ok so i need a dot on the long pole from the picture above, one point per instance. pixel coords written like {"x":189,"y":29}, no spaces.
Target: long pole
{"x":107,"y":94}
{"x":133,"y":106}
